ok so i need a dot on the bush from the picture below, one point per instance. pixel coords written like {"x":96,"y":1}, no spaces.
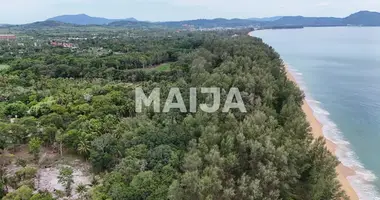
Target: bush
{"x":21,"y":162}
{"x":26,"y":173}
{"x":17,"y":109}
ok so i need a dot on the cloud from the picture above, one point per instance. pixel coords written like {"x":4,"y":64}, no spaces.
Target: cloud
{"x":322,"y":4}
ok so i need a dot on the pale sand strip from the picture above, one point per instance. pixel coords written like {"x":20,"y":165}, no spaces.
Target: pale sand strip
{"x":317,"y":131}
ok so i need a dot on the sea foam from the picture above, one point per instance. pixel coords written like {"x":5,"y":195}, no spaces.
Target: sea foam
{"x":363,"y":178}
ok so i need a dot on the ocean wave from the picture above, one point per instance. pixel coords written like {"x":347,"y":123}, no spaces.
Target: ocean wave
{"x":363,"y":178}
{"x":312,"y":101}
{"x":319,"y":110}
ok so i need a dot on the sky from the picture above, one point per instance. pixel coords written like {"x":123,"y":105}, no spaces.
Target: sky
{"x":27,"y":11}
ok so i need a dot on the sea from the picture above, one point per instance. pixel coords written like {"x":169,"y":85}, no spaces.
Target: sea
{"x":339,"y":70}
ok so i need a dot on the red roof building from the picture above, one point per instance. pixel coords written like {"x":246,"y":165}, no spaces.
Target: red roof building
{"x":7,"y":37}
{"x":61,"y":44}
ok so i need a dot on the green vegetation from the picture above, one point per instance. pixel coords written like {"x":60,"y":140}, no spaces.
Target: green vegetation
{"x":35,"y":147}
{"x":2,"y":67}
{"x":66,"y":179}
{"x":26,"y":193}
{"x":163,"y":67}
{"x":70,"y":100}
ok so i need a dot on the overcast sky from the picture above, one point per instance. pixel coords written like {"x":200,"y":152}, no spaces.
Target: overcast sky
{"x":26,"y":11}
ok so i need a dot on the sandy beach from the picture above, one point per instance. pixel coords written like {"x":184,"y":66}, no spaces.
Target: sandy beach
{"x":317,"y":131}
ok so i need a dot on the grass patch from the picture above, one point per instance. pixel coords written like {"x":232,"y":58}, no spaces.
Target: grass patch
{"x":163,"y":67}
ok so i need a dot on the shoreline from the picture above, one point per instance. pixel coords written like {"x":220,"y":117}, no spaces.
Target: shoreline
{"x":317,"y":131}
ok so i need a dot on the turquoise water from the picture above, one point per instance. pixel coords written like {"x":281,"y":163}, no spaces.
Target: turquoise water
{"x":339,"y":69}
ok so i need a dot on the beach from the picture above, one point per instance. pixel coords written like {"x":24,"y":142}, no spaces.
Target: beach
{"x":317,"y":131}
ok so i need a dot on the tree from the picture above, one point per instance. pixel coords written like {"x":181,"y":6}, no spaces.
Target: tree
{"x":263,"y":154}
{"x":22,"y":193}
{"x":104,"y":152}
{"x":35,"y":147}
{"x":42,"y":196}
{"x":19,"y":134}
{"x":84,"y":148}
{"x":17,"y":109}
{"x":60,"y":137}
{"x":143,"y":184}
{"x":5,"y":160}
{"x":66,"y":178}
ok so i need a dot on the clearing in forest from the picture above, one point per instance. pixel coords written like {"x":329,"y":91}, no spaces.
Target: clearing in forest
{"x":161,"y":67}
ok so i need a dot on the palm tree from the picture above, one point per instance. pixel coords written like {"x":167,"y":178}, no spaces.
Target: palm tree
{"x":81,"y":190}
{"x":84,"y":147}
{"x":59,"y":137}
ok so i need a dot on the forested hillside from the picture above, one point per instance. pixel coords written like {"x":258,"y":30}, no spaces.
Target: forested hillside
{"x":81,"y":102}
{"x":362,"y":18}
{"x":83,"y":19}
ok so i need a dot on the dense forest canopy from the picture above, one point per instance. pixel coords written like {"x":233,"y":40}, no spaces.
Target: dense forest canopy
{"x":81,"y":102}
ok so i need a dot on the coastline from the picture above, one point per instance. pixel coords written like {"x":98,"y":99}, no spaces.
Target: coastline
{"x":317,"y":131}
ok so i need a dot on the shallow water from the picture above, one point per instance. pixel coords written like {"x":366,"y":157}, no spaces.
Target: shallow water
{"x":339,"y":70}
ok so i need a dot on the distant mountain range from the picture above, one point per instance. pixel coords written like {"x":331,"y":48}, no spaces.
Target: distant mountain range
{"x":362,"y":18}
{"x":266,"y":19}
{"x":307,"y":21}
{"x":83,"y":19}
